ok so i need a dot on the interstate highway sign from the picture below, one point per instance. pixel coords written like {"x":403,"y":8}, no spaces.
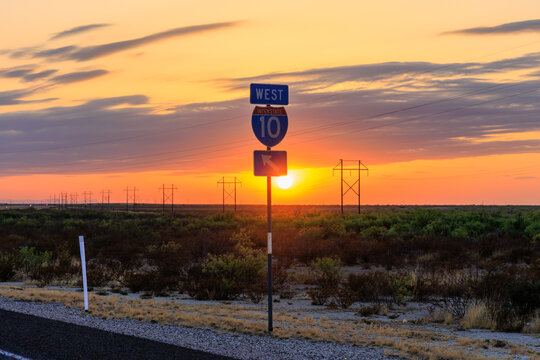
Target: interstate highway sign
{"x":270,"y":163}
{"x":268,"y":94}
{"x":269,"y":124}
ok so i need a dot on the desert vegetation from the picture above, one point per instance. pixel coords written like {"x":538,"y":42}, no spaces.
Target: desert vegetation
{"x":480,"y":266}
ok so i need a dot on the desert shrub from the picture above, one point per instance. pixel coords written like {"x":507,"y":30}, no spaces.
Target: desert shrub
{"x":424,"y":284}
{"x":525,"y":297}
{"x":226,"y":277}
{"x":344,"y":297}
{"x":368,"y":310}
{"x":478,"y":316}
{"x":504,"y":299}
{"x":62,"y":266}
{"x":456,"y":292}
{"x":149,"y":281}
{"x":170,"y":260}
{"x":280,"y":278}
{"x":31,"y":260}
{"x":7,"y":267}
{"x":533,"y":326}
{"x":44,"y":274}
{"x":377,"y":287}
{"x":327,"y":276}
{"x":102,"y":272}
{"x":511,"y":300}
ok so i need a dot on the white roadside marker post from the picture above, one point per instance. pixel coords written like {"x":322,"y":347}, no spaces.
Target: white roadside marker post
{"x":83,"y":264}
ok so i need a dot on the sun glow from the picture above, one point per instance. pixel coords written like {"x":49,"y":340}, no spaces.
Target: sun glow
{"x":284,"y":182}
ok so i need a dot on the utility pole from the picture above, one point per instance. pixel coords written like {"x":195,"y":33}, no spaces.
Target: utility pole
{"x":134,"y":197}
{"x":354,"y":187}
{"x":225,"y":182}
{"x":73,"y":199}
{"x":166,"y":196}
{"x":105,"y":197}
{"x":128,"y":196}
{"x":87,"y":198}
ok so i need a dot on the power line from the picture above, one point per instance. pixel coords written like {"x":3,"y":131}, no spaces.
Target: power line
{"x":117,"y":139}
{"x":240,"y":144}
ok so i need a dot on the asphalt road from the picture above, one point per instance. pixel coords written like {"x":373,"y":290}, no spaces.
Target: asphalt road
{"x":37,"y":338}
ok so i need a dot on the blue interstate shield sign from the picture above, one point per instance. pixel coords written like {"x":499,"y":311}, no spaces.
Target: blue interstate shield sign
{"x":268,"y":94}
{"x":269,"y":124}
{"x":270,"y":163}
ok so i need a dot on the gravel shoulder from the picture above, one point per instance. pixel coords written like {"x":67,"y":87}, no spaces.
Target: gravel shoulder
{"x":240,"y":346}
{"x":301,"y":330}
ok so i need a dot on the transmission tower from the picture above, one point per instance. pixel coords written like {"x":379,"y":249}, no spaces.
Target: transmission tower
{"x":87,"y":198}
{"x":131,"y":194}
{"x":105,"y":197}
{"x":168,"y":196}
{"x":64,"y":197}
{"x":73,"y":199}
{"x":355,"y":167}
{"x":226,"y":183}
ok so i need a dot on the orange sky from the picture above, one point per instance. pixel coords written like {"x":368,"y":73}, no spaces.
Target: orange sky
{"x":438,"y":99}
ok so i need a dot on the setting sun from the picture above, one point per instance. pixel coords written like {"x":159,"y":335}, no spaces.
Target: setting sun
{"x":284,"y":182}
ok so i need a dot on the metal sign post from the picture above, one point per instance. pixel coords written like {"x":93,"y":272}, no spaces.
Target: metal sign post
{"x":269,"y":245}
{"x":269,"y":126}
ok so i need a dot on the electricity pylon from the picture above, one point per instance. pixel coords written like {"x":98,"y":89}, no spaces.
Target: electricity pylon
{"x":357,"y":169}
{"x":105,"y":197}
{"x":168,"y":196}
{"x":229,"y":193}
{"x":129,"y":197}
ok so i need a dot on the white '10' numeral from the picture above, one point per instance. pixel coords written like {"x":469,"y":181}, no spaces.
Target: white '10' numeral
{"x":269,"y":127}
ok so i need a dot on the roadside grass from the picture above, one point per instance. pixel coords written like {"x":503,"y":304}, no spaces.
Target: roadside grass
{"x":478,"y":316}
{"x":398,"y":339}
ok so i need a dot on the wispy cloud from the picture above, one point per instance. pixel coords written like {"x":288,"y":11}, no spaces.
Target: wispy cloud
{"x":392,"y":73}
{"x":78,"y":76}
{"x":85,"y":53}
{"x":416,"y":111}
{"x":15,"y":73}
{"x":508,"y":28}
{"x":77,"y":30}
{"x":26,"y":73}
{"x":57,"y":52}
{"x":39,"y":75}
{"x":14,"y":97}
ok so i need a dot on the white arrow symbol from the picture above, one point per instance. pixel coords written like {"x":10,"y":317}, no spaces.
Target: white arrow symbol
{"x":266,"y":160}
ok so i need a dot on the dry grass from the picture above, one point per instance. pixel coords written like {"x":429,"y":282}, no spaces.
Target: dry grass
{"x":400,"y":340}
{"x":478,"y":317}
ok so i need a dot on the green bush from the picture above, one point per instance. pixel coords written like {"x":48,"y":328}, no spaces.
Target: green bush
{"x":327,"y":275}
{"x":169,"y":259}
{"x":31,"y":260}
{"x":226,"y":277}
